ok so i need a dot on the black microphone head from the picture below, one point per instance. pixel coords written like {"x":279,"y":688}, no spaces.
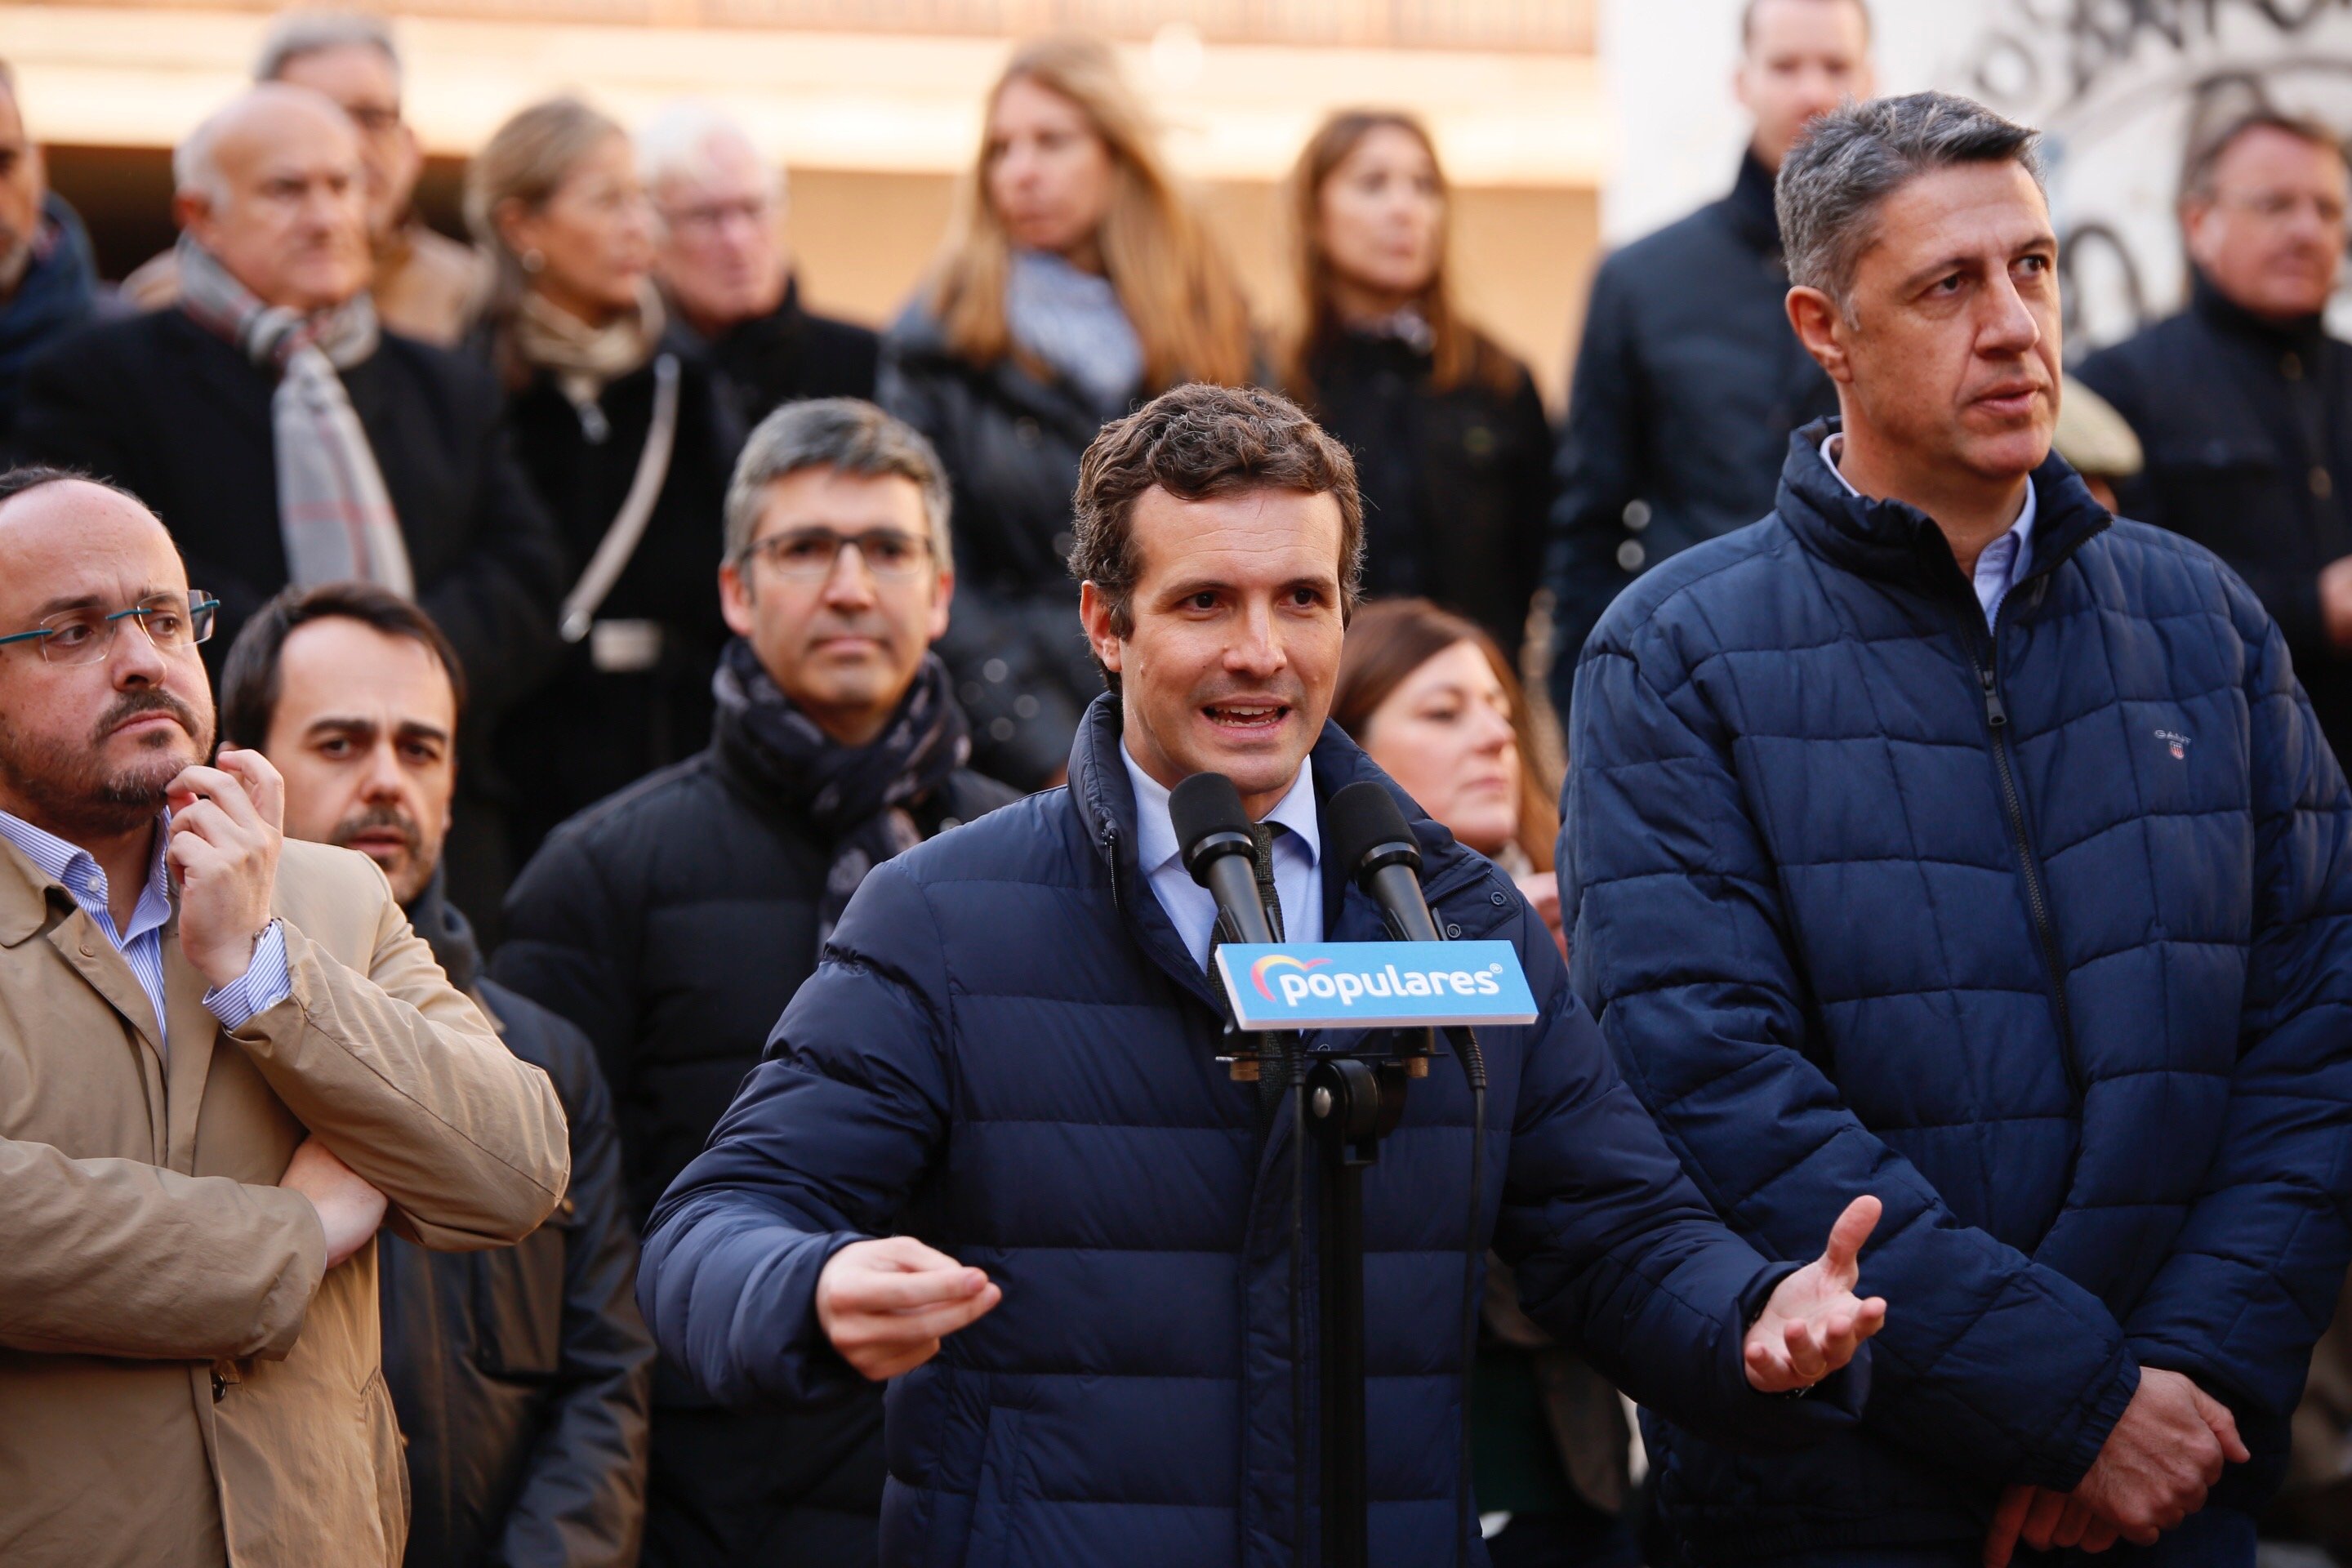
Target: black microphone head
{"x":1210,"y":822}
{"x":1367,"y":826}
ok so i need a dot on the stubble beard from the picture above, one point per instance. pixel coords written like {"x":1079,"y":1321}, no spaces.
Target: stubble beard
{"x":77,"y":794}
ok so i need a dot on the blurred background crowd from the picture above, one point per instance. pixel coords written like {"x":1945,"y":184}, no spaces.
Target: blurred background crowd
{"x":478,"y":303}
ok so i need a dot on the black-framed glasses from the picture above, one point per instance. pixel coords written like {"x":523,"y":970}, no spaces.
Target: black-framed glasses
{"x":810,"y":555}
{"x":173,"y":622}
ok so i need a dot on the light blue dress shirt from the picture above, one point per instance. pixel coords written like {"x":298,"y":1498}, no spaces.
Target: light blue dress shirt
{"x":1297,"y":855}
{"x":2004,"y":559}
{"x":266,"y":981}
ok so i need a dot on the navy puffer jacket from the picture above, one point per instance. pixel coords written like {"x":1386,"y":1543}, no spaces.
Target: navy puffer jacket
{"x":2045,"y":937}
{"x":1008,"y":1054}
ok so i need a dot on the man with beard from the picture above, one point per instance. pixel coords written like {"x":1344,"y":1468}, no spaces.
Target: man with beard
{"x":673,"y":922}
{"x":227,"y":1060}
{"x":521,"y":1374}
{"x":47,"y":286}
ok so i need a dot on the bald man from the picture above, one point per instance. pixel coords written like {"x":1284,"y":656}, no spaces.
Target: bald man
{"x":225,"y":1061}
{"x":287,"y":438}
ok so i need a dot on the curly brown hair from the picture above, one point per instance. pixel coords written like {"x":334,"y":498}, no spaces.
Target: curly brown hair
{"x":1197,"y":442}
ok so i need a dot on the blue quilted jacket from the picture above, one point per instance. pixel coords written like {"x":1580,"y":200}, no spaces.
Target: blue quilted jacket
{"x":1008,"y":1054}
{"x":2042,"y":934}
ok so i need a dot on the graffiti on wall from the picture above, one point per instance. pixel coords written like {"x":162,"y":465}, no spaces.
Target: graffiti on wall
{"x":2121,"y":88}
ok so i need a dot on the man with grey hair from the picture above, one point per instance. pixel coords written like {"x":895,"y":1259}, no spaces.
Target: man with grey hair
{"x":721,"y":260}
{"x":47,"y":284}
{"x":425,"y":285}
{"x":673,"y":922}
{"x":285,"y":436}
{"x":1943,"y":835}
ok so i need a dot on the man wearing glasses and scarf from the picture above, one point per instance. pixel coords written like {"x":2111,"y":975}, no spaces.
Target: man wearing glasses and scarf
{"x":674,"y":920}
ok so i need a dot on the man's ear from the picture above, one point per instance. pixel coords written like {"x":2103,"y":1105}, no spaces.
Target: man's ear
{"x":192,"y":211}
{"x":2197,"y":220}
{"x":735,"y":599}
{"x":1821,"y":326}
{"x":940,"y":602}
{"x":1093,"y":610}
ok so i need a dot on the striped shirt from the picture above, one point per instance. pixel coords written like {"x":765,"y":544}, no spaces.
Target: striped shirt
{"x":266,"y":981}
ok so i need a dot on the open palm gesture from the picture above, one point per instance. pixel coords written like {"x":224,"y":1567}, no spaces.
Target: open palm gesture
{"x":1814,"y":1323}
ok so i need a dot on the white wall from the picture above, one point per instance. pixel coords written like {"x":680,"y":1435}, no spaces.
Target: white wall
{"x":2115,"y":88}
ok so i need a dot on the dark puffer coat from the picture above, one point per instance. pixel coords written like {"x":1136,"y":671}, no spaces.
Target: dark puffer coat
{"x":1011,"y":443}
{"x":673,"y":923}
{"x":1688,"y":381}
{"x":2044,"y":936}
{"x":1009,"y":1053}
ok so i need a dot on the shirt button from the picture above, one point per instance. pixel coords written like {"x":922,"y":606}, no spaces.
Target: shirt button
{"x":1497,"y":899}
{"x":1453,"y":933}
{"x":1630,"y":555}
{"x":2323,"y":483}
{"x":2291,"y":366}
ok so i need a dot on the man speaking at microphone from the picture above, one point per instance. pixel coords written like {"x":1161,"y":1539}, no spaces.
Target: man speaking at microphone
{"x":991,"y":1153}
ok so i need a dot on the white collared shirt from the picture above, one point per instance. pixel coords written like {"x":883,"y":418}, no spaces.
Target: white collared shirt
{"x":1297,"y":856}
{"x":2003,"y":561}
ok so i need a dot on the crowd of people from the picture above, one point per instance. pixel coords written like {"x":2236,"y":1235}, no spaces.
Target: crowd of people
{"x":764,"y":728}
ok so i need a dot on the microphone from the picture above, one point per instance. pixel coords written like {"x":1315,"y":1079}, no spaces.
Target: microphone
{"x":1370,"y":836}
{"x":1221,"y":851}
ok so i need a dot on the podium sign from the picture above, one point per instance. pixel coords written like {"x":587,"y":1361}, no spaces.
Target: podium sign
{"x":1374,"y":984}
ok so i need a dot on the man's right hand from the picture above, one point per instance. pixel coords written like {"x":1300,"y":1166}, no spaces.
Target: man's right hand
{"x":886,"y":1305}
{"x":349,"y":1209}
{"x":2336,"y":600}
{"x":2162,"y":1456}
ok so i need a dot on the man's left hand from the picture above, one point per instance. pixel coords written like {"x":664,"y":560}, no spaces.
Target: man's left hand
{"x":2044,"y":1521}
{"x":226,"y":834}
{"x":1814,"y":1324}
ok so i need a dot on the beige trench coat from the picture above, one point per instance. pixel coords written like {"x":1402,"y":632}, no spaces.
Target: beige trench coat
{"x":179,"y":1385}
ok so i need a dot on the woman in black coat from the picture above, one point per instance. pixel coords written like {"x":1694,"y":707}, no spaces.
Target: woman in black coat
{"x":1452,"y":450}
{"x":622,"y":428}
{"x":1078,"y":284}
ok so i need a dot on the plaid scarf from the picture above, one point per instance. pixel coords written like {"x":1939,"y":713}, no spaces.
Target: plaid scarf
{"x":855,"y":797}
{"x":333,"y":513}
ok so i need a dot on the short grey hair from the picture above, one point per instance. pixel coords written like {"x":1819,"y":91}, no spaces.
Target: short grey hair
{"x":672,"y":143}
{"x":847,"y":434}
{"x":1847,"y":165}
{"x":299,"y":33}
{"x":2213,"y":143}
{"x":194,"y":169}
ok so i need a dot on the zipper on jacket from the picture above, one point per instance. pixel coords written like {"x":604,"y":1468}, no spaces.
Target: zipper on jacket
{"x":1110,"y":848}
{"x":2045,"y":930}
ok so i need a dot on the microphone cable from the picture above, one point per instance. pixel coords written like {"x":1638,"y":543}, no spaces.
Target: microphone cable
{"x":1474,"y":1069}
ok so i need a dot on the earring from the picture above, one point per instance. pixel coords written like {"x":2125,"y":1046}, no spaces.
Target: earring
{"x":531,"y":260}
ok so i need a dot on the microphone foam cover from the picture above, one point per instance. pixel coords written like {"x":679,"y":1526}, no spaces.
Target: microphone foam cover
{"x":1363,"y":816}
{"x":1204,"y":804}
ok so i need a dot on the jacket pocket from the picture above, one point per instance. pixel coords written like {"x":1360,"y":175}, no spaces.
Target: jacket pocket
{"x":519,"y":1303}
{"x":996,"y":1508}
{"x":392,"y":1501}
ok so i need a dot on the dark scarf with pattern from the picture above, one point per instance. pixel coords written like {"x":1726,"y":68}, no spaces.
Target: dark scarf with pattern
{"x":856,"y":798}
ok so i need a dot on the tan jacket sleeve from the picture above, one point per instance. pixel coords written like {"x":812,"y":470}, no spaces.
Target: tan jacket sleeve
{"x":402,"y":1076}
{"x":120,"y":1259}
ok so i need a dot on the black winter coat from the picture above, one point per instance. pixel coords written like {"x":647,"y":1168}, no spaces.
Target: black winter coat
{"x":790,"y":353}
{"x":1688,"y":383}
{"x":1456,"y":484}
{"x":587,"y":732}
{"x":1011,"y":443}
{"x":521,"y":1375}
{"x":673,"y":923}
{"x":2247,"y":428}
{"x":180,"y":417}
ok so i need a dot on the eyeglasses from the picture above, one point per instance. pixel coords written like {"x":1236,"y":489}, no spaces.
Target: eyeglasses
{"x":705,"y":218}
{"x":173,"y":622}
{"x":810,"y":555}
{"x":2283,"y":206}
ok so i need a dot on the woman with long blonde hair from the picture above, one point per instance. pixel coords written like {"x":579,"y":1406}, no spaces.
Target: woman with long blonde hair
{"x":1452,"y":450}
{"x":1077,"y":283}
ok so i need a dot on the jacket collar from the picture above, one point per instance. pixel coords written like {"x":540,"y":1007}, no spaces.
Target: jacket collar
{"x":447,"y":933}
{"x":1893,"y":542}
{"x":25,"y":902}
{"x":2209,"y":304}
{"x":1750,"y":205}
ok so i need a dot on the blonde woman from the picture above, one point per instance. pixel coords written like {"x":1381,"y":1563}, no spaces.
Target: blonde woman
{"x":623,"y":432}
{"x":1077,"y":283}
{"x":1452,"y":450}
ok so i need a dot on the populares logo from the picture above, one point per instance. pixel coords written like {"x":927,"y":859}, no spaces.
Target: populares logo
{"x":1273,"y":961}
{"x":1298,"y":985}
{"x":2176,"y":742}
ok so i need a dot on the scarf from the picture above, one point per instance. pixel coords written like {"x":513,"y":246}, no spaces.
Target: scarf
{"x":333,"y":513}
{"x":855,"y":797}
{"x":584,"y":360}
{"x":55,"y":292}
{"x":1074,"y":322}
